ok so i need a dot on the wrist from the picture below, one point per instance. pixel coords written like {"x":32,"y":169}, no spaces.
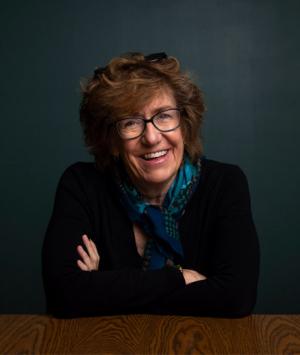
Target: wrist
{"x":179,"y":267}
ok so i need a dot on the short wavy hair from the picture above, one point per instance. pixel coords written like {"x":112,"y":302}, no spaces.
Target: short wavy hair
{"x":124,"y":87}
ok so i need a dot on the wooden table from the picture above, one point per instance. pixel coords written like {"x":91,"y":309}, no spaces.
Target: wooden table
{"x":148,"y":334}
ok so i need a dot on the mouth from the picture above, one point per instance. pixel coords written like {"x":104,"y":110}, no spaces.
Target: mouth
{"x":155,"y":155}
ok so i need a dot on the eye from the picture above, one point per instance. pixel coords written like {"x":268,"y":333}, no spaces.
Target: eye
{"x":165,"y":116}
{"x":130,"y":123}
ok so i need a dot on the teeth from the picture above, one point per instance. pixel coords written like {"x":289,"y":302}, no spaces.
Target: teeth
{"x":155,"y":155}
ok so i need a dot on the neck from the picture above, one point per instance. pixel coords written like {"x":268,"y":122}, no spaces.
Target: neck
{"x":153,"y":194}
{"x":154,"y":199}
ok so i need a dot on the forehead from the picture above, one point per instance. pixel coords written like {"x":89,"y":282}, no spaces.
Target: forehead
{"x":163,"y":99}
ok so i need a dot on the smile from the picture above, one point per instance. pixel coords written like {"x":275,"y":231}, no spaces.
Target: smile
{"x":154,"y":155}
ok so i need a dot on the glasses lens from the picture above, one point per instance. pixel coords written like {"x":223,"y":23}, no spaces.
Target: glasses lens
{"x":167,"y":120}
{"x":130,"y":127}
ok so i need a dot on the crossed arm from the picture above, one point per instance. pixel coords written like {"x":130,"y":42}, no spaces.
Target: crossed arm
{"x":90,"y":260}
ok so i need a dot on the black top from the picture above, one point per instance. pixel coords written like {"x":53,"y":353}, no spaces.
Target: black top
{"x":218,"y":238}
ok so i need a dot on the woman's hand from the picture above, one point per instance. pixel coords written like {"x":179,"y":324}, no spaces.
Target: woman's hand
{"x":192,"y":276}
{"x":90,"y":260}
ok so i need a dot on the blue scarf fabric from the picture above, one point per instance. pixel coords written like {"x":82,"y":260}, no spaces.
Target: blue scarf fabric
{"x":160,"y":224}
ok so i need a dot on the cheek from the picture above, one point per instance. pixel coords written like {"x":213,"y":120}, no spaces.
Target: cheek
{"x":130,"y":161}
{"x":125,"y":149}
{"x":179,"y":145}
{"x":128,"y":156}
{"x":180,"y":153}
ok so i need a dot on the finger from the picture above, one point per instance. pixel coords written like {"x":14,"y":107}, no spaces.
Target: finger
{"x":92,"y":250}
{"x":82,"y":266}
{"x":97,"y":260}
{"x":85,"y":257}
{"x":95,"y":248}
{"x":89,"y":247}
{"x":97,"y":256}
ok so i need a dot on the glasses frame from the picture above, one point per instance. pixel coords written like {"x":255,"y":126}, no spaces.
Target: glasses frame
{"x":148,"y":120}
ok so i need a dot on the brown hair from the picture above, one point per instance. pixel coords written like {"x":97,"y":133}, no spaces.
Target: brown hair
{"x":126,"y":85}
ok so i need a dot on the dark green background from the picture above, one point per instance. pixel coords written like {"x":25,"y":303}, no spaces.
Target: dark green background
{"x":245,"y":56}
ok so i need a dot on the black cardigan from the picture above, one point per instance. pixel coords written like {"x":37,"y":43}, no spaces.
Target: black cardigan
{"x":217,"y":233}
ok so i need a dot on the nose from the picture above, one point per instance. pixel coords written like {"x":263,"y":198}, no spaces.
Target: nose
{"x":151,"y":135}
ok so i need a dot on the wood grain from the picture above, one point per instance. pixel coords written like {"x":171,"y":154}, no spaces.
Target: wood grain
{"x":148,"y":334}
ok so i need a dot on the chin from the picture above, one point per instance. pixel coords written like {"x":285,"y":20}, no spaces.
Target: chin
{"x":159,"y":178}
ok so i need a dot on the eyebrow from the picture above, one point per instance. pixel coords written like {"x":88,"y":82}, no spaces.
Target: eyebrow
{"x":156,"y":110}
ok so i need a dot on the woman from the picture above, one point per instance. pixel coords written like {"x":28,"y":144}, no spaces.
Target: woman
{"x":152,"y":226}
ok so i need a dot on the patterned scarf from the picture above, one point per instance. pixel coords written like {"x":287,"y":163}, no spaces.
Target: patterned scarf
{"x":160,"y":224}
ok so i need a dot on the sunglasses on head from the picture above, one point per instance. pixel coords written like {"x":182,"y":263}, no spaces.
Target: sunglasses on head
{"x":154,"y":57}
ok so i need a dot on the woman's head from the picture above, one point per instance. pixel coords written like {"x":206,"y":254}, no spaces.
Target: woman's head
{"x":125,"y":88}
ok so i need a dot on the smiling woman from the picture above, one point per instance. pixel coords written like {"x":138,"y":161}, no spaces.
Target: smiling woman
{"x":152,"y":226}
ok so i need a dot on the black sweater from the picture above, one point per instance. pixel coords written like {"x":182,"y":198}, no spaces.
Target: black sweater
{"x":218,"y":238}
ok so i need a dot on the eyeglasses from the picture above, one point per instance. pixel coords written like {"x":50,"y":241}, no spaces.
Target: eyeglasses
{"x":134,"y":127}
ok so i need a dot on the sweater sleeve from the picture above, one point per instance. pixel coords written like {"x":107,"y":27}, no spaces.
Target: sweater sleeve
{"x":230,"y":289}
{"x":71,"y":292}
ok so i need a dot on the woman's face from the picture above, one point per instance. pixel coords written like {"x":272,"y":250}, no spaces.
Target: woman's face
{"x":153,"y":159}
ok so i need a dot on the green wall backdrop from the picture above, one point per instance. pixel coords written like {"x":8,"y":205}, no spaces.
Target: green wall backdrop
{"x":243,"y":53}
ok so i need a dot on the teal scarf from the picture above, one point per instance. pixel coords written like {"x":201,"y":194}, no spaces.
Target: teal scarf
{"x":161,"y":224}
